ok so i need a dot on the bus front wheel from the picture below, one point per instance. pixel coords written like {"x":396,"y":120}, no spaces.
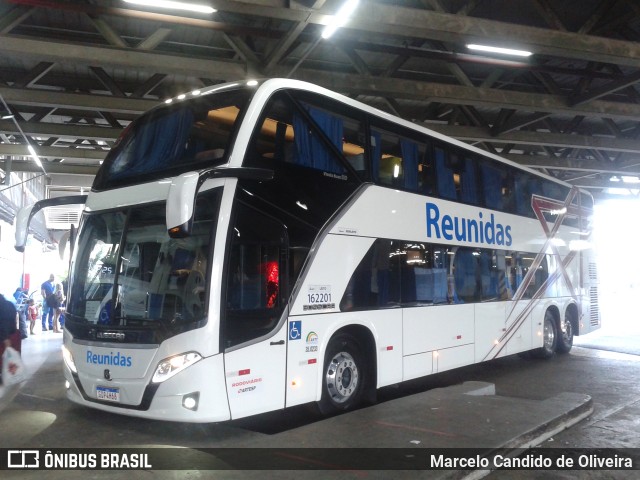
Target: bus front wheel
{"x":549,"y":337}
{"x":343,"y":375}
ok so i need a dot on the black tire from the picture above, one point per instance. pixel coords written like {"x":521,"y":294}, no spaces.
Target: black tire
{"x":565,"y":337}
{"x":343,"y":376}
{"x":550,"y":337}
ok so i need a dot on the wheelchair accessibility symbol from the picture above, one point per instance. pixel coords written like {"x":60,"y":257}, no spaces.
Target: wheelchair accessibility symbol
{"x":295,"y":330}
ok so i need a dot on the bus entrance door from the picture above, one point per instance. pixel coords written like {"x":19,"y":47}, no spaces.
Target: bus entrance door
{"x":255,"y":376}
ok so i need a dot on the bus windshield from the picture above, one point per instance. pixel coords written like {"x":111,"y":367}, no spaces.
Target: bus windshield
{"x":172,"y":139}
{"x":128,"y":272}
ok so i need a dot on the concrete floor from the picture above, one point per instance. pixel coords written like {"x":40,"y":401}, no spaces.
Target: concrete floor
{"x":596,"y":388}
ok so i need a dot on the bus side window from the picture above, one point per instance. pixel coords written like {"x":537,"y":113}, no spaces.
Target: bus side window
{"x":444,"y":175}
{"x":424,"y":279}
{"x":396,"y":160}
{"x":468,"y":191}
{"x":457,"y":176}
{"x":492,"y":273}
{"x":375,"y":283}
{"x":467,"y":275}
{"x":310,"y":149}
{"x":525,"y":185}
{"x":496,"y":187}
{"x":426,"y":176}
{"x":353,"y":143}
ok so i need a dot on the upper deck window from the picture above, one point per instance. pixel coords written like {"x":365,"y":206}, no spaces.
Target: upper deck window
{"x":174,"y":139}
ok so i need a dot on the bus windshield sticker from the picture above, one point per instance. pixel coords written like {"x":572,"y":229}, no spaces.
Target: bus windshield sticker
{"x":91,"y":311}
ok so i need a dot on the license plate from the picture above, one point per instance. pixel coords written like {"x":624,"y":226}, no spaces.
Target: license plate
{"x":108,"y":393}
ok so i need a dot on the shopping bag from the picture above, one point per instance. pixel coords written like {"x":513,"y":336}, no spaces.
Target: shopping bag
{"x":13,"y":370}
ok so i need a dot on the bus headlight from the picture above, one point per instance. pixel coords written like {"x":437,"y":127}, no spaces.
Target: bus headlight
{"x":68,"y":359}
{"x":168,"y":367}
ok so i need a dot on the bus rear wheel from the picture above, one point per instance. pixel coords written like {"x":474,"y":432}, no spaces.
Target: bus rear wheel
{"x":565,"y":339}
{"x":549,"y":337}
{"x":343,"y":375}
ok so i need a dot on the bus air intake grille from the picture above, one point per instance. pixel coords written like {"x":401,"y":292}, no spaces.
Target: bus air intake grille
{"x":594,"y":310}
{"x":593,"y":272}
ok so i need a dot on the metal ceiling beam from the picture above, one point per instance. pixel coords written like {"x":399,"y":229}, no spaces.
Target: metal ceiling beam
{"x":587,"y":166}
{"x":14,"y":18}
{"x":52,"y":167}
{"x":151,"y":16}
{"x":466,"y":133}
{"x":461,"y":95}
{"x":47,"y":50}
{"x":410,"y":22}
{"x":603,"y":183}
{"x":39,"y":129}
{"x":75,"y":154}
{"x":452,"y":94}
{"x":34,"y":75}
{"x":55,"y":99}
{"x":420,"y":23}
{"x":608,"y":89}
{"x":480,"y":134}
{"x":288,"y":39}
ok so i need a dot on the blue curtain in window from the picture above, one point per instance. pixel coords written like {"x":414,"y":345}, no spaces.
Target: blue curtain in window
{"x":157,"y":144}
{"x":444,"y":175}
{"x":312,"y":152}
{"x":522,"y":195}
{"x":469,"y":182}
{"x":492,"y":183}
{"x":410,"y":160}
{"x":465,"y":276}
{"x":302,"y":138}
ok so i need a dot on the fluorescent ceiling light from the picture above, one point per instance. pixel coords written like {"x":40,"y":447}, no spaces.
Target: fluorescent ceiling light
{"x":627,"y":179}
{"x":192,"y":7}
{"x":340,"y":18}
{"x":7,"y":117}
{"x":503,"y":51}
{"x":33,"y":153}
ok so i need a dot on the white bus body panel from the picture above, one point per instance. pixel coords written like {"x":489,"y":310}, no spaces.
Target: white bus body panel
{"x":385,"y":213}
{"x":490,"y":330}
{"x":520,"y":322}
{"x":255,"y":375}
{"x":207,"y":377}
{"x":308,"y":345}
{"x":427,"y":329}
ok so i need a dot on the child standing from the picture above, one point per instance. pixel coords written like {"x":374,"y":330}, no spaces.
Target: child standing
{"x":32,"y":314}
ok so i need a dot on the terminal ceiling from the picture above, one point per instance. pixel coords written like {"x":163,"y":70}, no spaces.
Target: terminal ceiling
{"x":74,"y":73}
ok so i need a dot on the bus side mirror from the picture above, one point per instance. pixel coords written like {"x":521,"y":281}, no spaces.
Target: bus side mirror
{"x":183,"y":191}
{"x":22,"y":226}
{"x":180,"y":203}
{"x":25,"y":214}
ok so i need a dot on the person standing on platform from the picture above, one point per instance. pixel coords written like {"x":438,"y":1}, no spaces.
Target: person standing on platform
{"x":32,"y":313}
{"x":9,"y":334}
{"x":22,"y":297}
{"x":55,"y":301}
{"x":47,"y":288}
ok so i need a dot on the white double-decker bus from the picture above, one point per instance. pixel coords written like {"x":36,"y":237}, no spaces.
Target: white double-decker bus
{"x":255,"y":247}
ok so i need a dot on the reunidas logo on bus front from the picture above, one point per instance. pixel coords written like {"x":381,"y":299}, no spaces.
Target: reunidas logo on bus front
{"x":116,"y":359}
{"x":463,"y":229}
